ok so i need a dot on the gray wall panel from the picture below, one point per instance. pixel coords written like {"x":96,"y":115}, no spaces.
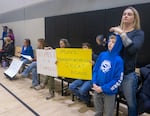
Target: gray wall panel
{"x":15,"y":15}
{"x":59,"y":7}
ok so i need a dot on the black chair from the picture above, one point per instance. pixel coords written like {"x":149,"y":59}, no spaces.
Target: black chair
{"x":64,"y":87}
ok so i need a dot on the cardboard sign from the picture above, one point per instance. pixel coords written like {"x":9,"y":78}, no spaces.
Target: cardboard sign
{"x":13,"y":68}
{"x":74,"y":63}
{"x":46,"y":62}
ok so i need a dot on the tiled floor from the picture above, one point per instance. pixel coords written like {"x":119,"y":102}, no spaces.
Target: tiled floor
{"x":58,"y":106}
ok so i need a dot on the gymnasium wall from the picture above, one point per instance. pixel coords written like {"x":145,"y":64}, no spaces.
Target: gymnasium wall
{"x":18,"y":19}
{"x":61,"y":7}
{"x":33,"y":29}
{"x":88,"y":17}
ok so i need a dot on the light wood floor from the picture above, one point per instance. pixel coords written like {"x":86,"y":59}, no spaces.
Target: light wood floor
{"x":58,"y":106}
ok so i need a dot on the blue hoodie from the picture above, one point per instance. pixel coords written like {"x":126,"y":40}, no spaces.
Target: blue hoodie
{"x":108,"y":70}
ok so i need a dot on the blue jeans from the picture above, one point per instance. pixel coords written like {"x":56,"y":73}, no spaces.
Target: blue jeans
{"x":81,"y":89}
{"x":25,"y":61}
{"x":32,"y":67}
{"x":129,"y":89}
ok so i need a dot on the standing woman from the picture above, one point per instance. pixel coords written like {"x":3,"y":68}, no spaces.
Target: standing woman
{"x":133,"y":39}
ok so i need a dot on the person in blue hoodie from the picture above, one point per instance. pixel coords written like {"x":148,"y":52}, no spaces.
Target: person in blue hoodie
{"x":107,"y":77}
{"x":27,"y":50}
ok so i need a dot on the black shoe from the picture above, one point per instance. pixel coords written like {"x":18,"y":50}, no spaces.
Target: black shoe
{"x":89,"y":104}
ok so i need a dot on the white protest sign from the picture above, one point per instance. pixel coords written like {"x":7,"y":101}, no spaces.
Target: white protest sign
{"x":46,"y":62}
{"x":14,"y":68}
{"x":27,"y":57}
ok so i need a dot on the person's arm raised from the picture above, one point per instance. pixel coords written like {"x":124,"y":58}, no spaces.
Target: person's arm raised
{"x":125,"y":39}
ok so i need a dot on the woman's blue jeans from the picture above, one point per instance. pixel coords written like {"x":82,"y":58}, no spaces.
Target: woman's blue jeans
{"x":81,"y":89}
{"x":25,"y":61}
{"x":129,"y":89}
{"x":32,"y":67}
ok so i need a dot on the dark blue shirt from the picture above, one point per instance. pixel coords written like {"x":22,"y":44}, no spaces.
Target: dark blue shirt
{"x":130,"y":53}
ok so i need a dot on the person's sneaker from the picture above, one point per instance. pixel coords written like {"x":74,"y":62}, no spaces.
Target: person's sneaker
{"x":89,"y":104}
{"x":51,"y":95}
{"x":37,"y":87}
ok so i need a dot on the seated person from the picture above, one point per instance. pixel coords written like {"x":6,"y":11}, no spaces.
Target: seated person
{"x":33,"y":67}
{"x":7,"y":49}
{"x":144,"y":94}
{"x":27,"y":50}
{"x":101,"y":44}
{"x":4,"y":34}
{"x":11,"y":35}
{"x":81,"y":88}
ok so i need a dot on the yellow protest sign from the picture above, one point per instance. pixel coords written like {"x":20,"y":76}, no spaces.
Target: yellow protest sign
{"x":74,"y":63}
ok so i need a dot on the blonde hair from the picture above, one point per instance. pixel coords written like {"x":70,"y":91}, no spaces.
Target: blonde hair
{"x":136,"y":23}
